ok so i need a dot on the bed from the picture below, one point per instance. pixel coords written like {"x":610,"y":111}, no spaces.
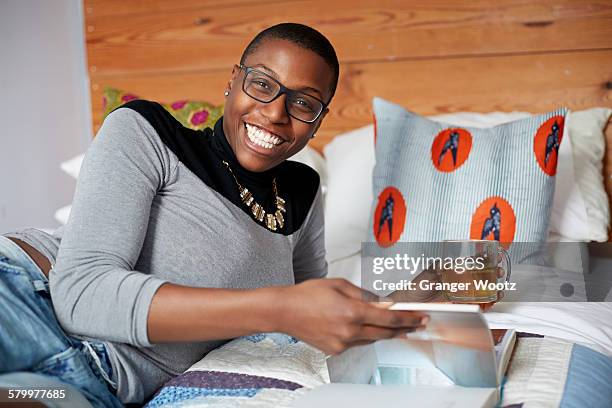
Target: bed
{"x":506,"y":58}
{"x":275,"y":370}
{"x":563,"y":357}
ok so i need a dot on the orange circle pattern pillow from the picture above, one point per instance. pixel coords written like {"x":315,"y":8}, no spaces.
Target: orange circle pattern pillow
{"x":435,"y":181}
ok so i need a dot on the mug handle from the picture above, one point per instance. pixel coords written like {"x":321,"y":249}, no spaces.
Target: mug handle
{"x":507,"y":266}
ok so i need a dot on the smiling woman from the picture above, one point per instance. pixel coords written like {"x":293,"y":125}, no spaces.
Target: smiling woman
{"x":274,"y":91}
{"x":180,"y":239}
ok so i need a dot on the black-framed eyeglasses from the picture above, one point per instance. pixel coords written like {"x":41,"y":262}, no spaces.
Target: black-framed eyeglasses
{"x":265,"y":88}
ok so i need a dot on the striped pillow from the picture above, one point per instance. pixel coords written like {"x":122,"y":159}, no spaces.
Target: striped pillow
{"x":434,"y":181}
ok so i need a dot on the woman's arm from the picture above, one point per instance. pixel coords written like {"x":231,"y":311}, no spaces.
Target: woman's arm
{"x":330,"y":314}
{"x":95,"y":289}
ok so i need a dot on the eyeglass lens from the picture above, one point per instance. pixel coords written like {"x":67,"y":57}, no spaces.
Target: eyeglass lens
{"x":263,"y":88}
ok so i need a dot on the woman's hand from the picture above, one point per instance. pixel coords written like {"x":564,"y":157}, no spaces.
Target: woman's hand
{"x":333,"y":315}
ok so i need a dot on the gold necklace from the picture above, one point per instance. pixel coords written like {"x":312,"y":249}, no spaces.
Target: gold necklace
{"x":272,"y":221}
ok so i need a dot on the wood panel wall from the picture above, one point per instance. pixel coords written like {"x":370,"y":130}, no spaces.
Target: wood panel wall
{"x":432,"y":56}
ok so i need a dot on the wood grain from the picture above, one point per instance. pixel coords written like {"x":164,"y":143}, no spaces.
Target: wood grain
{"x":432,"y":57}
{"x":116,"y":8}
{"x":534,"y":83}
{"x":178,"y":37}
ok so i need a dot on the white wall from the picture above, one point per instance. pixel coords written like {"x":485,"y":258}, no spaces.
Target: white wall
{"x":44,"y":108}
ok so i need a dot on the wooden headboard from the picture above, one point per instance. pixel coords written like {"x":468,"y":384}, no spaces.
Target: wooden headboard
{"x":432,"y":56}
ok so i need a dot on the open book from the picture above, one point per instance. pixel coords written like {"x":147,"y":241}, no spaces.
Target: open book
{"x":457,"y":341}
{"x":456,"y":362}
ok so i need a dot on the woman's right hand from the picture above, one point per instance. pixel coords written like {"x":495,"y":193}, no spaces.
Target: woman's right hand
{"x":333,"y":315}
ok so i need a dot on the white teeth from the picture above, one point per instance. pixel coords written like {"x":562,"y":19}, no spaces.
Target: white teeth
{"x":261,"y":137}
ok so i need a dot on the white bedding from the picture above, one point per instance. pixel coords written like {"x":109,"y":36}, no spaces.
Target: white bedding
{"x":586,"y":323}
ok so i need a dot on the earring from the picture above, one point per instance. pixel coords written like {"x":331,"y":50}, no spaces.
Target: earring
{"x":313,"y":135}
{"x":226,"y":93}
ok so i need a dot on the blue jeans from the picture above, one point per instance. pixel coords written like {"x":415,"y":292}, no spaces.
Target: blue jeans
{"x":32,"y":340}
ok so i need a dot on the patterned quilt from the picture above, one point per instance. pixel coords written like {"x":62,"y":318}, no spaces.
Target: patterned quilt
{"x":271,"y":370}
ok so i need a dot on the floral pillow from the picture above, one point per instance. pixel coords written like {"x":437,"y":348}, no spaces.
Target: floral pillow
{"x":192,"y":114}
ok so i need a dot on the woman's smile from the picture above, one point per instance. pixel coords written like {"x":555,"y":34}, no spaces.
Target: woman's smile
{"x":261,"y":139}
{"x":264,"y":134}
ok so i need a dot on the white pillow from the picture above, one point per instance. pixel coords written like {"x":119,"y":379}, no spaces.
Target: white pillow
{"x":62,"y":214}
{"x":312,"y":158}
{"x":588,"y":143}
{"x":73,"y":166}
{"x":350,"y":160}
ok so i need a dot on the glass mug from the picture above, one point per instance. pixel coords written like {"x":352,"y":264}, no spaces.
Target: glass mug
{"x":473,"y":277}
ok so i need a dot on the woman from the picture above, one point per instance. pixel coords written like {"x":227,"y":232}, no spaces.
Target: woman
{"x":179,"y":239}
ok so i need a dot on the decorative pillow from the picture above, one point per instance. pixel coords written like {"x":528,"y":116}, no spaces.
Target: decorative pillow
{"x":434,"y":181}
{"x":192,"y":114}
{"x":350,"y":162}
{"x":568,"y":219}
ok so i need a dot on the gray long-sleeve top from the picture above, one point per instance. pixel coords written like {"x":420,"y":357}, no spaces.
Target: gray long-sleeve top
{"x":146,"y":212}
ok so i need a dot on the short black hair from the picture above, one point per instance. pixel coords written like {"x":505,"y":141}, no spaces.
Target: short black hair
{"x":303,"y":36}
